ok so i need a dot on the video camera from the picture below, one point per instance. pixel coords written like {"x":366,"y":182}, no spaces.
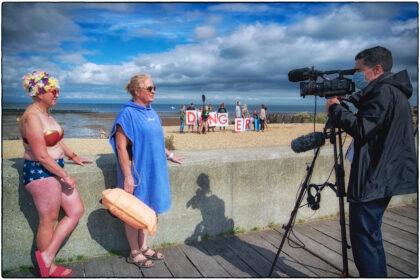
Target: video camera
{"x":327,"y":88}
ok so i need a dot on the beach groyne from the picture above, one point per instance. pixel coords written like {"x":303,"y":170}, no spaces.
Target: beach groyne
{"x":213,"y":192}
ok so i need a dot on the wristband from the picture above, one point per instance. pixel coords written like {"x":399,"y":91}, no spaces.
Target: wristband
{"x":170,"y":156}
{"x":72,"y":156}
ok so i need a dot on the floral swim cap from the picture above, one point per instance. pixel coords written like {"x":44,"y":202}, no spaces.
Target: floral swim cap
{"x":39,"y":82}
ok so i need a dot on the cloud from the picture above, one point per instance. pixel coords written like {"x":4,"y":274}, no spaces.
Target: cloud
{"x":70,"y":58}
{"x":240,"y":8}
{"x":40,"y":27}
{"x":249,"y":61}
{"x":203,"y":33}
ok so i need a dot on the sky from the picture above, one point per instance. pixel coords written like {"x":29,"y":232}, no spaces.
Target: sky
{"x":225,"y":50}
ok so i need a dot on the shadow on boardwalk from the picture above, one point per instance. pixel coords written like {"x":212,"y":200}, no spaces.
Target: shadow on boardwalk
{"x":230,"y":256}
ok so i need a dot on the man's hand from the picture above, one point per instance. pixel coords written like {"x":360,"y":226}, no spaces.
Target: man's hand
{"x":333,"y":100}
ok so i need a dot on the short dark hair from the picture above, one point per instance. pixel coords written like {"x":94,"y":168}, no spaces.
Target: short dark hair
{"x":376,"y":55}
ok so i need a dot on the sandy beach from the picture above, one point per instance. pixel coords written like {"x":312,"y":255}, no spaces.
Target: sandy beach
{"x":276,"y":134}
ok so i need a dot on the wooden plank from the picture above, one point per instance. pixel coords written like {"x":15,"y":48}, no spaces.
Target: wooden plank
{"x":401,"y":253}
{"x":322,"y":238}
{"x":201,"y":259}
{"x":178,"y":264}
{"x":121,"y":268}
{"x":336,"y":247}
{"x":400,"y":238}
{"x":405,"y":211}
{"x":77,"y":268}
{"x":159,"y":270}
{"x":393,"y":261}
{"x":247,"y":254}
{"x":400,"y":222}
{"x":321,"y":250}
{"x":305,"y":258}
{"x":285,"y":263}
{"x":98,"y":268}
{"x":227,"y":258}
{"x":330,"y":227}
{"x":405,"y":268}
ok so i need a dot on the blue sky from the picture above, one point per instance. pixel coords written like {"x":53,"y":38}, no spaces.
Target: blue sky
{"x":227,"y":51}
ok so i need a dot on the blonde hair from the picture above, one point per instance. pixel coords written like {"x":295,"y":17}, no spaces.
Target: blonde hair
{"x":135,"y":82}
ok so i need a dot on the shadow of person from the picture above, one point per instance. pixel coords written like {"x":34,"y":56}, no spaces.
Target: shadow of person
{"x":109,"y":170}
{"x":212,"y":210}
{"x":107,"y":231}
{"x":240,"y":258}
{"x":103,"y":226}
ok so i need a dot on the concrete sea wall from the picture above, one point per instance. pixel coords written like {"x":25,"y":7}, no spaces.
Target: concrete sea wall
{"x":213,"y":192}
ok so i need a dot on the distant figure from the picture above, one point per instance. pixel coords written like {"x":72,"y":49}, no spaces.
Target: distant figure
{"x":255,"y":122}
{"x":199,"y":119}
{"x":245,"y":112}
{"x":238,"y":111}
{"x":182,"y":119}
{"x":103,"y":133}
{"x":266,"y":120}
{"x":191,"y":126}
{"x":262,"y":117}
{"x":204,"y":119}
{"x":210,"y":111}
{"x":221,"y":110}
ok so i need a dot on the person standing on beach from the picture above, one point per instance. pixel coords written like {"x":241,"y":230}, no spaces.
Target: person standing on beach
{"x":182,"y":119}
{"x":44,"y":177}
{"x":238,"y":111}
{"x":245,"y":112}
{"x":199,"y":119}
{"x":139,"y":144}
{"x":384,"y":161}
{"x":265,"y":120}
{"x":262,"y":117}
{"x":255,"y":122}
{"x":221,"y":110}
{"x":191,"y":126}
{"x":204,"y":118}
{"x":210,"y":111}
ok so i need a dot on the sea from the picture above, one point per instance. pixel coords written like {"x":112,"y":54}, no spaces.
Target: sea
{"x":86,"y":120}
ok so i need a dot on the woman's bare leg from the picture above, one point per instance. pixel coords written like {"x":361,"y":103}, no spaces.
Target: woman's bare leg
{"x":143,"y":235}
{"x":133,"y":241}
{"x":49,"y":195}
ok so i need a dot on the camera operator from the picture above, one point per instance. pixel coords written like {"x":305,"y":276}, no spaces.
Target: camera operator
{"x":384,"y":162}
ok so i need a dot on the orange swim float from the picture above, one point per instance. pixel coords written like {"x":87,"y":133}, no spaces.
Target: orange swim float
{"x":130,"y":209}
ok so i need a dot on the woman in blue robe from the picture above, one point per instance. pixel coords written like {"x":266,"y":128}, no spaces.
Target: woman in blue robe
{"x":139,"y":145}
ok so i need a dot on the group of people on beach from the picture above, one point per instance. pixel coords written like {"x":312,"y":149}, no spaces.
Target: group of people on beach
{"x":201,"y":122}
{"x":259,"y":119}
{"x":383,"y":162}
{"x":138,"y":143}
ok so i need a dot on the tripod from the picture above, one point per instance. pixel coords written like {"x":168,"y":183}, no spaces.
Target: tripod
{"x":339,"y":188}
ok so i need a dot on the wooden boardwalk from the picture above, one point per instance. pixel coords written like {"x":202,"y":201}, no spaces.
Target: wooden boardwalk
{"x":252,"y":254}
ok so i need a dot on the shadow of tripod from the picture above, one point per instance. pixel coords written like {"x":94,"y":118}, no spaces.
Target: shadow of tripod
{"x":332,"y":133}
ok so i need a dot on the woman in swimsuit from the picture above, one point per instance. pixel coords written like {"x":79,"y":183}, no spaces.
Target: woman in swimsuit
{"x":44,"y":177}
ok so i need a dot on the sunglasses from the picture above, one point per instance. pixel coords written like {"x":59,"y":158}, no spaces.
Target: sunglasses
{"x":151,"y":88}
{"x":55,"y":92}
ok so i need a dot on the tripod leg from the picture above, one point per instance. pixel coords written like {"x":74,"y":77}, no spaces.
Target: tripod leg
{"x":295,"y":210}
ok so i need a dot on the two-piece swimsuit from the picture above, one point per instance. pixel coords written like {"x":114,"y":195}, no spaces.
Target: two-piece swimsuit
{"x":33,"y":170}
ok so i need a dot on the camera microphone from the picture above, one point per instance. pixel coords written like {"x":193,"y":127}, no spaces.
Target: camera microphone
{"x":308,"y":142}
{"x":303,"y":74}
